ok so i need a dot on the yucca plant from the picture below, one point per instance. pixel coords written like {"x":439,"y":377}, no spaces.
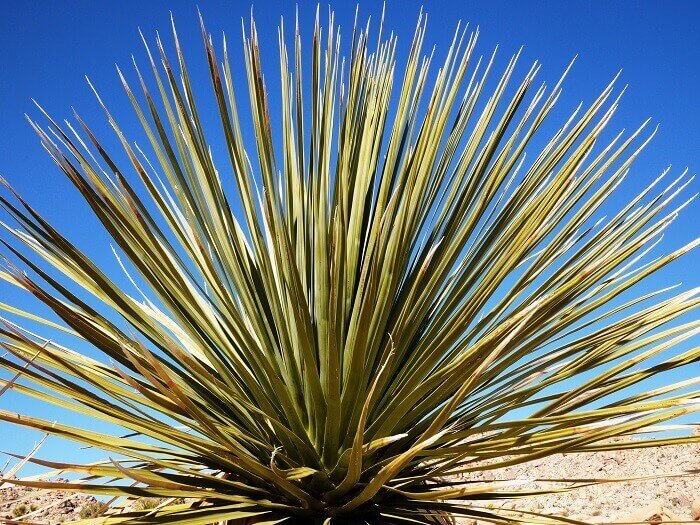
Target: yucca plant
{"x":358,"y":308}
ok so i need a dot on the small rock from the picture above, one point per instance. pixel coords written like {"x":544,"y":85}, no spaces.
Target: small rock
{"x":653,"y":513}
{"x":670,"y":517}
{"x":695,"y":509}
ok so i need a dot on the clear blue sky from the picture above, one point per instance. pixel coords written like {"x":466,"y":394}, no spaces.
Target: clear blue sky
{"x":46,"y":48}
